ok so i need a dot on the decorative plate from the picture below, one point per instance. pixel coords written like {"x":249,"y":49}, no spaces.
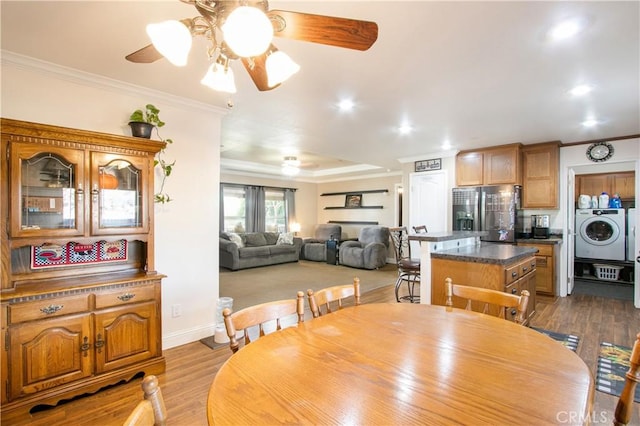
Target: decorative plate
{"x":599,"y":151}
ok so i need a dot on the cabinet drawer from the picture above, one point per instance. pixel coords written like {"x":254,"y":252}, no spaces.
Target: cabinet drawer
{"x":527,"y":266}
{"x":48,"y":308}
{"x":123,"y":296}
{"x":512,"y":273}
{"x":544,"y":250}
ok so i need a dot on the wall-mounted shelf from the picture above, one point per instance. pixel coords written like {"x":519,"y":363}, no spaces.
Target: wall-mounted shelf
{"x":353,"y":222}
{"x":352,"y":208}
{"x":371,"y":191}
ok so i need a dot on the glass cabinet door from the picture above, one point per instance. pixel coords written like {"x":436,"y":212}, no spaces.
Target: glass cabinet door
{"x":47,"y":191}
{"x":118,"y":202}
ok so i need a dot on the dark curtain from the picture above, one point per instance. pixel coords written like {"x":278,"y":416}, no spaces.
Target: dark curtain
{"x":255,"y":206}
{"x":290,"y":204}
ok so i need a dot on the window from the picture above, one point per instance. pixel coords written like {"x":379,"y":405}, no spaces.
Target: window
{"x":275,"y":211}
{"x":273,"y":208}
{"x":234,"y":209}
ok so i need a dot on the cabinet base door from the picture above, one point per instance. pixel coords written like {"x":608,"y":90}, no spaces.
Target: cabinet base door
{"x":126,"y":335}
{"x":45,"y":354}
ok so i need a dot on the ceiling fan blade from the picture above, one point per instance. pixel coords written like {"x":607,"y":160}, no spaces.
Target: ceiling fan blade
{"x":332,"y":31}
{"x":146,"y":55}
{"x":257,"y":69}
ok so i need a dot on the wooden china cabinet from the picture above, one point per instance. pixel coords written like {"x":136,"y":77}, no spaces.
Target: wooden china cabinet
{"x":80,"y":296}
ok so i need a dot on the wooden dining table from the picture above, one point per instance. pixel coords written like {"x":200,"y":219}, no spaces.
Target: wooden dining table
{"x":399,"y":364}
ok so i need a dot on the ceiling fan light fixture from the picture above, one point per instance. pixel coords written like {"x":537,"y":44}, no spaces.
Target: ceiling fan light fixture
{"x":220,"y":77}
{"x":291,"y":161}
{"x":247,"y":31}
{"x":279,"y":67}
{"x":290,"y":170}
{"x":172,"y":39}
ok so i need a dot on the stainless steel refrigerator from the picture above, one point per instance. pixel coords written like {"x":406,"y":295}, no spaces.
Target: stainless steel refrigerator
{"x":493,"y":209}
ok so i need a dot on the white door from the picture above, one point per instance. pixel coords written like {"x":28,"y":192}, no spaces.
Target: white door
{"x":429,"y":201}
{"x":571,"y":231}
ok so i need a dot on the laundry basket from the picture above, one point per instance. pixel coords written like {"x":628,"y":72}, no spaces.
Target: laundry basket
{"x":607,"y":272}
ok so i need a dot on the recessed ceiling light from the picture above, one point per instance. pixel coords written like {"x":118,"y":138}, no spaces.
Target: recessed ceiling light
{"x":591,"y":122}
{"x":566,"y":29}
{"x":346,"y":105}
{"x":405,"y":129}
{"x":446,"y":145}
{"x":580,"y":90}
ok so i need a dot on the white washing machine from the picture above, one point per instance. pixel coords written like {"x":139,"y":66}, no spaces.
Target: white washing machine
{"x":600,"y":234}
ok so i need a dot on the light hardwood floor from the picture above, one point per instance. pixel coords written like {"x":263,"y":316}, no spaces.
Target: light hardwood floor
{"x":192,"y":367}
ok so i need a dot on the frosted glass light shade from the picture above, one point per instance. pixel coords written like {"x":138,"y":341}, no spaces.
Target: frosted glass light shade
{"x":248,"y":31}
{"x":220,"y":78}
{"x":172,"y":39}
{"x":279,"y":68}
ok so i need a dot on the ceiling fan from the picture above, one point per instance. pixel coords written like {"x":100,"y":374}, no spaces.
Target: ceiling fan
{"x":327,"y":30}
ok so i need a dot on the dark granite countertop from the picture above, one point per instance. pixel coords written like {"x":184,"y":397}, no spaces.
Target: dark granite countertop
{"x":550,"y":240}
{"x":445,"y":236}
{"x":501,"y":254}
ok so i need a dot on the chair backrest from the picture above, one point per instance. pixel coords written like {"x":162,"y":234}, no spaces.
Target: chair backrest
{"x":258,"y":315}
{"x":623,"y":411}
{"x":420,"y":229}
{"x":489,"y":297}
{"x":374,"y":234}
{"x":324,"y":231}
{"x":323,"y":299}
{"x":400,"y":243}
{"x":151,"y":411}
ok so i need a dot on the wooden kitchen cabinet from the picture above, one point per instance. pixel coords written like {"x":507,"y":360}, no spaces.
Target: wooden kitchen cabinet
{"x":540,"y":165}
{"x":493,"y":166}
{"x":80,"y":296}
{"x":512,"y":278}
{"x":545,"y":267}
{"x":621,"y":183}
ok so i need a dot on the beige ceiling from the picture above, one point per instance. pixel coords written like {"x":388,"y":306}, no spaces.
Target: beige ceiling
{"x":473,"y":73}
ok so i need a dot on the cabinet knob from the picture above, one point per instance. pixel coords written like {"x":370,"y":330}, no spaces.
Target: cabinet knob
{"x":514,"y":312}
{"x":514,"y":274}
{"x":525,"y":269}
{"x":99,"y":343}
{"x":95,"y":192}
{"x":126,"y":297}
{"x":85,"y":346}
{"x":51,"y":309}
{"x":514,"y":291}
{"x":79,"y":193}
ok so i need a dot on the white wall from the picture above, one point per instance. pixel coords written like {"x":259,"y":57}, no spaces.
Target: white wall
{"x":572,"y":158}
{"x":186,"y":229}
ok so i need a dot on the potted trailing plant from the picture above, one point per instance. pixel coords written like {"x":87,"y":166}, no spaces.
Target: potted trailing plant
{"x":142,"y":122}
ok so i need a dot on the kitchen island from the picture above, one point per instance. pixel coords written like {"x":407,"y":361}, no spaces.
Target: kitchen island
{"x":462,"y":257}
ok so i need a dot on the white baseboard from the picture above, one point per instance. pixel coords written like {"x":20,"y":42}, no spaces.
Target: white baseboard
{"x":187,"y":336}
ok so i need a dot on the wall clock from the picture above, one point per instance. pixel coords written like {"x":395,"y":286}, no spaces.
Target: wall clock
{"x":599,"y":151}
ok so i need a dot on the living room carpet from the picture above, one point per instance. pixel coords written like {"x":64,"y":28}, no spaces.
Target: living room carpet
{"x":613,"y":364}
{"x":250,"y":287}
{"x":569,"y":340}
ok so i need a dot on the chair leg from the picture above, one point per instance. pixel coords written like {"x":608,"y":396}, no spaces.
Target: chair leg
{"x":398,"y":283}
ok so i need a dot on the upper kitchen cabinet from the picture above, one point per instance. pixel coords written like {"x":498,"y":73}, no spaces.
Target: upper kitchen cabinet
{"x":621,"y":183}
{"x":492,"y":166}
{"x":540,"y":164}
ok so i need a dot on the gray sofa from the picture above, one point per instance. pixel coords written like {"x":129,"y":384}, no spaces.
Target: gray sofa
{"x":253,"y":249}
{"x":369,"y":252}
{"x":315,"y":248}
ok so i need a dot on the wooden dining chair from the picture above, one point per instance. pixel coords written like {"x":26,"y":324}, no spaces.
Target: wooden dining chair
{"x":623,"y":411}
{"x":325,"y":298}
{"x":489,"y":297}
{"x":150,"y":411}
{"x":257,"y":316}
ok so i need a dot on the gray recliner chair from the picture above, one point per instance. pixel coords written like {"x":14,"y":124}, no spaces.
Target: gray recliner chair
{"x":315,"y":248}
{"x":369,"y":252}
